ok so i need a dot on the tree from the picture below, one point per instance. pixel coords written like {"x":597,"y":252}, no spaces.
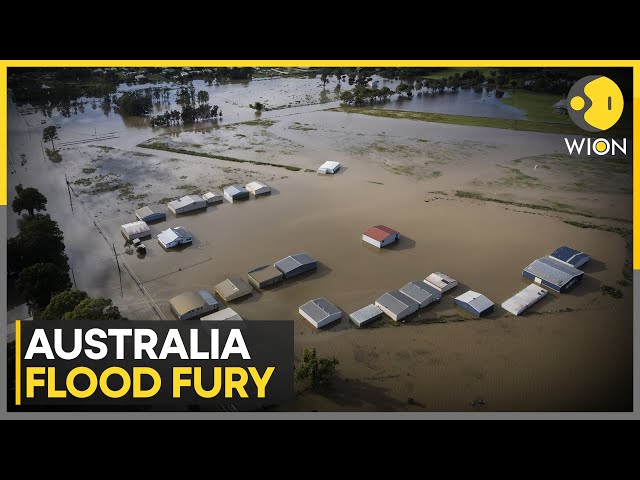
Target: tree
{"x":40,"y":241}
{"x":346,"y":96}
{"x":29,"y":199}
{"x":203,"y":96}
{"x":39,"y":282}
{"x":94,"y":309}
{"x":404,"y":88}
{"x":62,"y":303}
{"x":49,"y":134}
{"x":135,"y":103}
{"x":318,"y":371}
{"x":257,"y":106}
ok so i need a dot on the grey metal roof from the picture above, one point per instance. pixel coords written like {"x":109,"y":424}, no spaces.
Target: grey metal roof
{"x":207,"y":297}
{"x":234,"y":190}
{"x":476,"y":300}
{"x":552,"y":271}
{"x":396,"y":301}
{"x":419,"y":291}
{"x":182,"y":232}
{"x":319,"y":308}
{"x":365,"y":314}
{"x":292,"y":262}
{"x":266,"y":273}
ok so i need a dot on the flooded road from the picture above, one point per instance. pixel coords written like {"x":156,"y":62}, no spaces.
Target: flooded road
{"x":565,"y":354}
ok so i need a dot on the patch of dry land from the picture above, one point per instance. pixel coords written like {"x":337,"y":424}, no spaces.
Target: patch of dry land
{"x":477,"y":203}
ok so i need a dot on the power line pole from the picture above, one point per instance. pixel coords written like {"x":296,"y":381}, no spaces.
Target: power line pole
{"x":74,"y":279}
{"x":119,"y":271}
{"x":69,"y":190}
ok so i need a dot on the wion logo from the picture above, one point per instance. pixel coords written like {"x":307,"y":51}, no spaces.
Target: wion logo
{"x":595,"y":104}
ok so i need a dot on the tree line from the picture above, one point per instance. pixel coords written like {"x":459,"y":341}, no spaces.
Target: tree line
{"x":38,"y":267}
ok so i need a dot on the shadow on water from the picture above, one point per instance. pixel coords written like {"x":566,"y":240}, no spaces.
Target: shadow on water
{"x":593,"y":266}
{"x":404,"y":243}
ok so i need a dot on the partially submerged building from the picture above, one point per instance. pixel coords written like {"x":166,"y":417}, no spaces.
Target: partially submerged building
{"x":265,"y":276}
{"x":232,"y":289}
{"x":151,"y":214}
{"x":365,"y":315}
{"x":319,"y":312}
{"x":554,"y":274}
{"x":188,"y":203}
{"x":524,"y":299}
{"x":396,"y":305}
{"x":235,"y":192}
{"x":420,"y":292}
{"x":258,"y":188}
{"x":329,"y":167}
{"x":380,"y":236}
{"x":224,"y":314}
{"x":134,"y":230}
{"x":212,"y":198}
{"x":172,"y":237}
{"x":193,"y":304}
{"x":296,"y":264}
{"x":441,"y":281}
{"x":475,"y":303}
{"x":570,"y":256}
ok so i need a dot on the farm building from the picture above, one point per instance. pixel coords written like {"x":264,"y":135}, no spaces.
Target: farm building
{"x":135,"y":230}
{"x":329,"y":168}
{"x":441,"y":281}
{"x":264,"y":276}
{"x":258,"y":188}
{"x":172,"y":237}
{"x":365,"y":315}
{"x":422,"y":293}
{"x":570,"y":256}
{"x":151,"y":214}
{"x":224,"y":314}
{"x":235,"y":192}
{"x":524,"y":299}
{"x":319,"y":312}
{"x":475,"y":302}
{"x":380,"y":236}
{"x":212,"y":198}
{"x":193,"y":304}
{"x":188,"y":203}
{"x":396,"y":305}
{"x":296,"y":264}
{"x":233,"y":288}
{"x":553,"y":274}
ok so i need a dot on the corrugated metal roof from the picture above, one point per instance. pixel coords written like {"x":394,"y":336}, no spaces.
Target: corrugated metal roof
{"x":552,"y":271}
{"x":292,"y":262}
{"x":366,"y":314}
{"x":257,"y":186}
{"x":379,"y":232}
{"x":234,"y":286}
{"x":524,"y":299}
{"x":135,"y":228}
{"x":224,"y":314}
{"x":570,"y":255}
{"x":266,"y":273}
{"x":330,"y":165}
{"x":419,"y":291}
{"x":234,"y":190}
{"x":186,"y":302}
{"x":187,"y":200}
{"x":440,"y":280}
{"x":396,"y":301}
{"x":167,"y":236}
{"x":207,"y":297}
{"x":319,"y":308}
{"x":211,"y":196}
{"x":476,"y":300}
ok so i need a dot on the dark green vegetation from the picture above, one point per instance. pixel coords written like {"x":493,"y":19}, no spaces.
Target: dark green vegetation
{"x":611,"y":291}
{"x":166,"y":148}
{"x":77,"y":305}
{"x":134,"y":103}
{"x":49,"y":134}
{"x":195,"y":108}
{"x":29,"y":199}
{"x":504,"y":123}
{"x":53,"y":155}
{"x":316,"y":372}
{"x":257,"y":106}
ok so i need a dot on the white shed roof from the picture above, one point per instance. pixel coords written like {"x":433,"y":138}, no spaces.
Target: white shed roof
{"x":476,"y":300}
{"x":330,"y":164}
{"x":186,"y":200}
{"x":224,"y":314}
{"x":136,"y":228}
{"x":524,"y":299}
{"x":253,"y":186}
{"x":441,"y":280}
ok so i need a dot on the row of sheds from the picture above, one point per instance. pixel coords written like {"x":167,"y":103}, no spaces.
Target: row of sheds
{"x":169,"y":238}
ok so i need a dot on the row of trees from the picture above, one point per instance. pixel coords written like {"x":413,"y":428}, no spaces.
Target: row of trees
{"x":38,"y":267}
{"x":195,"y":108}
{"x":135,"y":103}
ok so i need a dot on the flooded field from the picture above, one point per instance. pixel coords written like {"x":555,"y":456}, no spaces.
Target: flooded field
{"x":477,"y":203}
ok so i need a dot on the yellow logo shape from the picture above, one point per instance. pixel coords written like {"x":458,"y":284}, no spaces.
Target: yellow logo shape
{"x":596,"y":103}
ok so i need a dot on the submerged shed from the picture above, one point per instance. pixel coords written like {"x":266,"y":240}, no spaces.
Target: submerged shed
{"x":172,"y":237}
{"x":134,"y":230}
{"x":422,"y":293}
{"x":233,"y":288}
{"x":554,"y":274}
{"x":212,"y":198}
{"x":475,"y":302}
{"x":365,"y":315}
{"x":264,"y":276}
{"x":296,"y":264}
{"x":329,"y":167}
{"x":380,"y":236}
{"x":224,"y":314}
{"x":441,"y":281}
{"x":235,"y":192}
{"x":188,"y":203}
{"x":570,"y":256}
{"x":396,"y":305}
{"x":320,"y":312}
{"x":524,"y":299}
{"x":192,"y":304}
{"x":258,"y":188}
{"x":151,"y":214}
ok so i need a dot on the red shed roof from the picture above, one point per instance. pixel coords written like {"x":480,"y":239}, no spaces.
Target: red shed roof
{"x":379,"y":232}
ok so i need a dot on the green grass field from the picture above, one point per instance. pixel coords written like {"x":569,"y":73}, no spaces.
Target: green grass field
{"x":539,"y":106}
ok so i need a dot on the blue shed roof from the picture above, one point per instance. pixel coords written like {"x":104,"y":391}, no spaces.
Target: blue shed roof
{"x":552,"y":271}
{"x":570,"y":256}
